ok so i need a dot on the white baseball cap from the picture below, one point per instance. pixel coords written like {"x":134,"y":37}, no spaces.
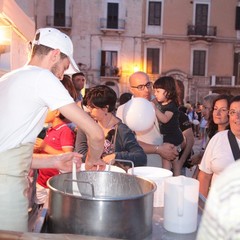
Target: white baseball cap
{"x":56,"y":39}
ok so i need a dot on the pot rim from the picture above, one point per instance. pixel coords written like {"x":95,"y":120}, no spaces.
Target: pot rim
{"x":105,"y":199}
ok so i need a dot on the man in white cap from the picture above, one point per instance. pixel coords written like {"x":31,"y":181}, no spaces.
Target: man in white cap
{"x":26,"y":95}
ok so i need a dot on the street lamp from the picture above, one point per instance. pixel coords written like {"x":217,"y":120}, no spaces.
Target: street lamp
{"x":5,"y":38}
{"x":5,"y":35}
{"x":136,"y":68}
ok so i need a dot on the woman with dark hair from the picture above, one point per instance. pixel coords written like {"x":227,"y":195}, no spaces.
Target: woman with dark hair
{"x":207,"y":107}
{"x":120,"y":141}
{"x":67,"y":83}
{"x":219,"y":152}
{"x":218,"y":119}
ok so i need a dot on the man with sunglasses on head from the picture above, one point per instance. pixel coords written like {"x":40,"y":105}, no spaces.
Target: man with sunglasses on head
{"x":152,"y":140}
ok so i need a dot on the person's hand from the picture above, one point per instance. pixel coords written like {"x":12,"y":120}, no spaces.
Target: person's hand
{"x":38,"y":146}
{"x":154,"y":101}
{"x":98,"y":165}
{"x":156,"y":105}
{"x":63,"y":162}
{"x":94,"y":165}
{"x":109,"y":158}
{"x":168,"y":151}
{"x":196,"y":159}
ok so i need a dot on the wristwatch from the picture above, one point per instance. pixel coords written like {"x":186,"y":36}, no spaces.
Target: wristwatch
{"x":179,"y":149}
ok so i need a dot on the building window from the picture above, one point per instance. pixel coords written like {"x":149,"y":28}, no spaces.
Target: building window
{"x":236,"y":68}
{"x":112,"y":15}
{"x":154,"y":13}
{"x":237,"y":21}
{"x":201,"y":19}
{"x":153,"y":60}
{"x":199,"y":62}
{"x":109,"y":63}
{"x":59,"y":13}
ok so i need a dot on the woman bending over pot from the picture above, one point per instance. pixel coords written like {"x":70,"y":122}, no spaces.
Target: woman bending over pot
{"x":120,"y":141}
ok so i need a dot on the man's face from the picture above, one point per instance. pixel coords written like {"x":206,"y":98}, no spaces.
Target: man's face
{"x":234,"y":118}
{"x":140,"y":86}
{"x":78,"y":82}
{"x":60,"y":67}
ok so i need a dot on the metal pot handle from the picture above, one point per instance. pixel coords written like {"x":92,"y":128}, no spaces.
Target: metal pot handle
{"x":120,"y":160}
{"x":77,"y":181}
{"x":132,"y":171}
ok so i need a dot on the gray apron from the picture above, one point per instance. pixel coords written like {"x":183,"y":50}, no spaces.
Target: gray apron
{"x":14,"y":167}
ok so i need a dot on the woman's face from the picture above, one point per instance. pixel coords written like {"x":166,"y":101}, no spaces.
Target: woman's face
{"x":97,"y":113}
{"x":234,"y":118}
{"x":220,"y":112}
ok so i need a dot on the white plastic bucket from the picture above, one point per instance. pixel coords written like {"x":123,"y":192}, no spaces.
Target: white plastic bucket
{"x":156,"y":174}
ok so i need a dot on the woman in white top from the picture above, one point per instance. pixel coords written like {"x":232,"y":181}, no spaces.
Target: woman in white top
{"x":218,"y":154}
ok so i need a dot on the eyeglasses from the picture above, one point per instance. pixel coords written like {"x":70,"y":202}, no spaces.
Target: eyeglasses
{"x":221,"y":110}
{"x":148,"y":85}
{"x":234,"y":113}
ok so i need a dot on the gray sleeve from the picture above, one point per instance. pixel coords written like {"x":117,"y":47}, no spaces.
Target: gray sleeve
{"x":81,"y":143}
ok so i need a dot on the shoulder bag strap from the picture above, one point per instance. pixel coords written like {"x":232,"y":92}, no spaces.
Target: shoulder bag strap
{"x":115,"y":134}
{"x":234,"y":145}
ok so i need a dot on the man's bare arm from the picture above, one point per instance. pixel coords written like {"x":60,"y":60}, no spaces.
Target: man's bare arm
{"x":92,"y":130}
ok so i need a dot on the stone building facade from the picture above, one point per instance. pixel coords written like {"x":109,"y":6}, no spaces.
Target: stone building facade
{"x":197,"y":41}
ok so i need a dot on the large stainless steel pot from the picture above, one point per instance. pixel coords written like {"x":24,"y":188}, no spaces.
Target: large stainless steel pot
{"x":112,"y":204}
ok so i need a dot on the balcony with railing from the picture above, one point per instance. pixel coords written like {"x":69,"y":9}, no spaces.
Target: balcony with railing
{"x":110,"y":72}
{"x":62,"y":23}
{"x":107,"y":25}
{"x":195,"y":32}
{"x":221,"y":81}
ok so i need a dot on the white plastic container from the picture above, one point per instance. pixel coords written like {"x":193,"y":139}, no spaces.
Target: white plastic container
{"x":181,"y":204}
{"x":156,"y":174}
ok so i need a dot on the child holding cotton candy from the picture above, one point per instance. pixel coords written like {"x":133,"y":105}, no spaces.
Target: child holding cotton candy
{"x":166,"y":107}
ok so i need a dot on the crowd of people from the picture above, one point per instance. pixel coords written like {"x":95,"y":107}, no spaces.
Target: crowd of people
{"x":90,"y":128}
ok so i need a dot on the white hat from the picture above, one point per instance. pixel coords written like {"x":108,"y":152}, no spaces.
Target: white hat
{"x":55,"y":39}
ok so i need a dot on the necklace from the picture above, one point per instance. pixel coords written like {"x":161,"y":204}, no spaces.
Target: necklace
{"x":106,"y":126}
{"x":109,"y":121}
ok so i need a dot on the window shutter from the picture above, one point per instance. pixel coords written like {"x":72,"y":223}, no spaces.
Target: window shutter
{"x":237,"y":22}
{"x":199,"y":62}
{"x":103,"y":60}
{"x":59,"y":12}
{"x":112,"y":15}
{"x":153,"y":60}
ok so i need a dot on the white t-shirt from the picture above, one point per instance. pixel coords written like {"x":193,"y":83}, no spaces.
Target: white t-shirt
{"x":221,"y":217}
{"x":151,"y":136}
{"x":218,"y":155}
{"x":26,"y":95}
